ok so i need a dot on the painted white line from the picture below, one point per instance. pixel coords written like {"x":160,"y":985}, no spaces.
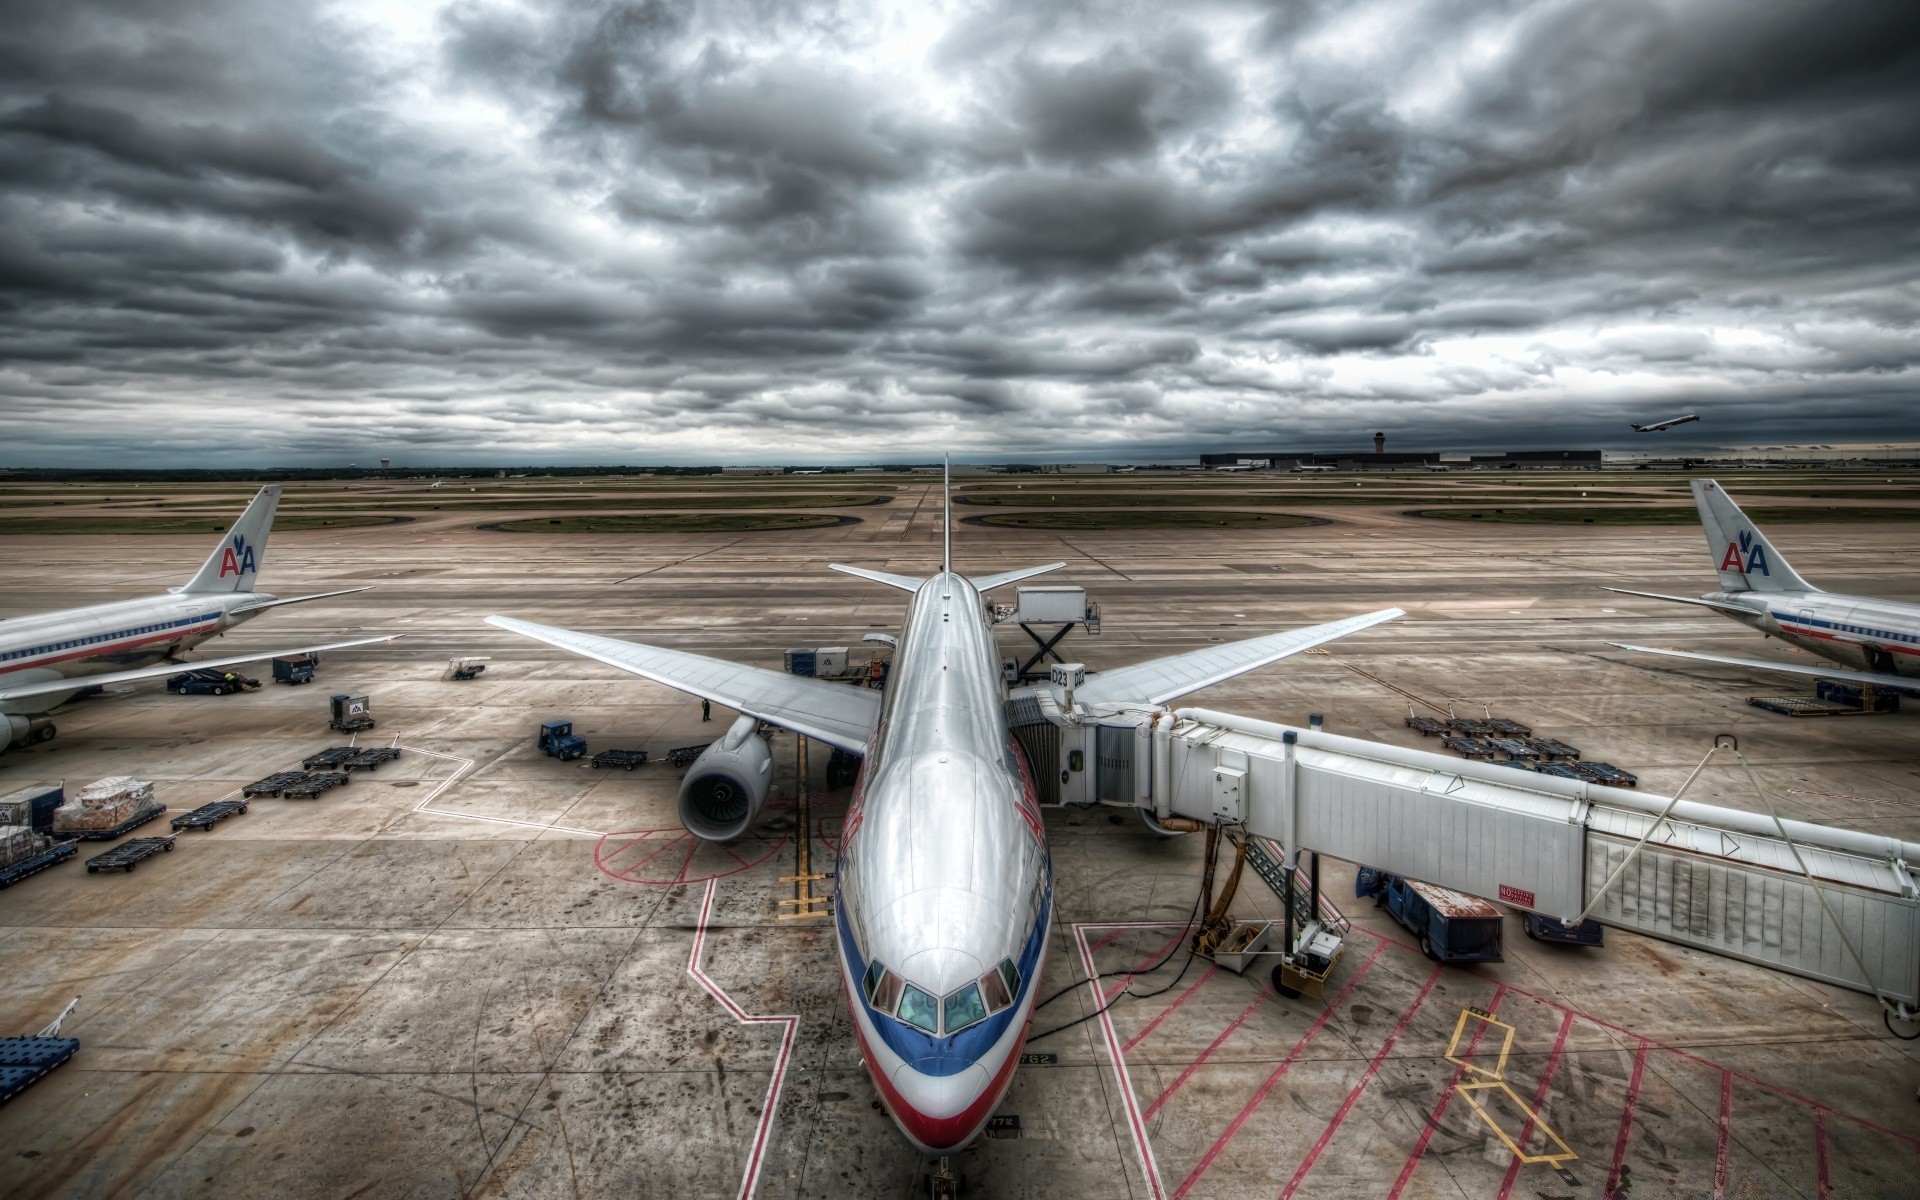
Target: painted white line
{"x":751,"y":1178}
{"x":1149,"y":1166}
{"x":466,"y":764}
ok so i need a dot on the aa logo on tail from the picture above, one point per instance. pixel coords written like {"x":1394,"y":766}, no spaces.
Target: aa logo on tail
{"x":1748,"y":557}
{"x":238,"y":558}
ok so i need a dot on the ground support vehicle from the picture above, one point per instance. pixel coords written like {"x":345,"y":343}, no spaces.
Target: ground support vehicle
{"x":1547,"y":929}
{"x":26,"y":1059}
{"x":1606,"y":773}
{"x":129,"y":854}
{"x":208,"y":815}
{"x":370,"y":758}
{"x":295,"y":668}
{"x":273,"y":784}
{"x":628,"y":759}
{"x":349,"y":714}
{"x":557,"y":740}
{"x":331,"y":757}
{"x":684,"y":756}
{"x":209,"y":683}
{"x":462,"y":669}
{"x":315,"y":783}
{"x":53,"y":855}
{"x":1453,"y":927}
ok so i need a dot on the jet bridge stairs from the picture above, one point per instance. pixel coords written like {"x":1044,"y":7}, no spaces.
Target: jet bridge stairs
{"x":1836,"y":905}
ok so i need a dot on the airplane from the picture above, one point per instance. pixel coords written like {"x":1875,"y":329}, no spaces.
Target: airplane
{"x":1314,"y":467}
{"x":48,"y":658}
{"x":1761,"y":591}
{"x":944,"y":886}
{"x":1662,"y":426}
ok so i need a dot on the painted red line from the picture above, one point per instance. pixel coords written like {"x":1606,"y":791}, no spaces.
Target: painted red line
{"x":729,"y":849}
{"x":1353,"y":1097}
{"x":1233,"y":1127}
{"x":1726,"y":1129}
{"x":1129,"y":1099}
{"x":1539,"y":1098}
{"x":1108,"y":993}
{"x":1177,"y":1084}
{"x":756,"y":1156}
{"x":1446,"y":1098}
{"x":1823,"y":1182}
{"x":1170,"y":1009}
{"x":693,"y":848}
{"x":1626,"y":1118}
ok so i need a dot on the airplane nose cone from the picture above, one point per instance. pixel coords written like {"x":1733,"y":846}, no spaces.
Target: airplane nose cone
{"x":942,"y":1112}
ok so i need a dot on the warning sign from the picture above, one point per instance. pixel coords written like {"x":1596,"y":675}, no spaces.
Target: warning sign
{"x":1514,"y":895}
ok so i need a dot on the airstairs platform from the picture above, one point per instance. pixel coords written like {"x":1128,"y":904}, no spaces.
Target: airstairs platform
{"x":1836,"y":905}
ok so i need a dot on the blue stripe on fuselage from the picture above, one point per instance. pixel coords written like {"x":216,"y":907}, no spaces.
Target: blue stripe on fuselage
{"x":941,"y":1056}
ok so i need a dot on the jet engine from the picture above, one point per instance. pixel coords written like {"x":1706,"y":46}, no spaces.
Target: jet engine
{"x":23,"y":730}
{"x":727,"y":784}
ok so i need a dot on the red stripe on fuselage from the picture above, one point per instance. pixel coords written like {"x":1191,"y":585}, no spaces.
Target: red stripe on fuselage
{"x":102,"y":649}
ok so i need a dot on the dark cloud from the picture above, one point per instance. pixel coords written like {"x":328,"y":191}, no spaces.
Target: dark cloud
{"x":840,"y":230}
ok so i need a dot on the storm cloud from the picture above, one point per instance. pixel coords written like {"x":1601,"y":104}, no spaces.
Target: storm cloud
{"x":289,"y":233}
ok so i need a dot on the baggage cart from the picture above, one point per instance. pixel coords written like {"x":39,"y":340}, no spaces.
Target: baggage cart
{"x":315,"y":783}
{"x":208,"y":815}
{"x":331,"y":757}
{"x":370,"y":758}
{"x":23,"y":1060}
{"x":54,"y":854}
{"x":129,"y":854}
{"x":684,"y":755}
{"x":627,"y":759}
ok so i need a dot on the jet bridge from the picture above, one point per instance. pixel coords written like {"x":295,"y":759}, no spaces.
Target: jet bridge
{"x":1713,"y":878}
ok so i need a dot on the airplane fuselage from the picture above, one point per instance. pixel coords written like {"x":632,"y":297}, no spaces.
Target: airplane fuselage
{"x":73,"y":643}
{"x":1861,"y":632}
{"x":944,"y":884}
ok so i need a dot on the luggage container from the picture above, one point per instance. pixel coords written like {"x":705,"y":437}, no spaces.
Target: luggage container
{"x":800,"y":662}
{"x":295,"y":668}
{"x":350,"y":714}
{"x":32,"y":807}
{"x":1056,"y":605}
{"x":830,"y":661}
{"x":1453,"y":927}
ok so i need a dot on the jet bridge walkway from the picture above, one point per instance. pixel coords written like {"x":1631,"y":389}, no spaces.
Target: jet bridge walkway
{"x":1712,"y":878}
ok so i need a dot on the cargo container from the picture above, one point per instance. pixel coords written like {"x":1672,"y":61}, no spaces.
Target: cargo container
{"x":32,"y":807}
{"x":1056,"y":605}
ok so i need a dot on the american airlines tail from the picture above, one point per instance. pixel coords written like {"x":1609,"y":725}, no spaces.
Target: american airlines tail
{"x":1746,"y":560}
{"x":235,"y":562}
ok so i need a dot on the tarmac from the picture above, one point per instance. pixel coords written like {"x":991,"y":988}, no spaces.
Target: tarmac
{"x":478,"y":971}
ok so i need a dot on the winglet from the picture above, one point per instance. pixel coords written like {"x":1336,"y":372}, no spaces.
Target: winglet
{"x":235,"y":562}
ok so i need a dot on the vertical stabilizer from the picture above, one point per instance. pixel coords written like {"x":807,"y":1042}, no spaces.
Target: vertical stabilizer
{"x":235,"y":562}
{"x":946,"y":511}
{"x":1746,"y":560}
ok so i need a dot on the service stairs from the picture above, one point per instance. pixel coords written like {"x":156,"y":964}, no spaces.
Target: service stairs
{"x":1316,"y":936}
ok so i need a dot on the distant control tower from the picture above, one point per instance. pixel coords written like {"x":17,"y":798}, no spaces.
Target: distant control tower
{"x":1379,"y":443}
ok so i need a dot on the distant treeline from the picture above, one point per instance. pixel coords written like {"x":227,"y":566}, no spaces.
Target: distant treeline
{"x":298,"y":474}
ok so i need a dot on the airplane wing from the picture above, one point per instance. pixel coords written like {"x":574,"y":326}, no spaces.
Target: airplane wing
{"x":1166,"y":679}
{"x":835,"y":713}
{"x":986,"y":583}
{"x":1761,"y":664}
{"x":1716,"y":605}
{"x":47,"y":687}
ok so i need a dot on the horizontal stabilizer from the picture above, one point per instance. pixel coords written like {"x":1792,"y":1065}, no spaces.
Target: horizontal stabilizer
{"x":834,"y":713}
{"x":983,"y":583}
{"x":1164,"y":680}
{"x":265,"y":604}
{"x":73,"y":683}
{"x":906,"y":583}
{"x":1716,"y":605}
{"x":1871,"y":678}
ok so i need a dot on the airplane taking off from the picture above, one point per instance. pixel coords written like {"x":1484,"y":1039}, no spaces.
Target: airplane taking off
{"x":1662,"y":426}
{"x":944,"y":886}
{"x":46,"y":658}
{"x":1762,"y":592}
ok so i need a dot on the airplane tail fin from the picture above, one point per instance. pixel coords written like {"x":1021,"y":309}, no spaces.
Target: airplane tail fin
{"x":1746,"y":560}
{"x":946,"y":512}
{"x":235,"y":562}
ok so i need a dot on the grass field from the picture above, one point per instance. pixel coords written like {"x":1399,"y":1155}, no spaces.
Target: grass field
{"x":1670,"y":515}
{"x":1178,"y":518}
{"x":669,"y":523}
{"x":180,"y":524}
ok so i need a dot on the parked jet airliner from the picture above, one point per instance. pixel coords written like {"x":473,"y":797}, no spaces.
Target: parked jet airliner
{"x":944,"y":887}
{"x":1761,"y":591}
{"x":46,"y":658}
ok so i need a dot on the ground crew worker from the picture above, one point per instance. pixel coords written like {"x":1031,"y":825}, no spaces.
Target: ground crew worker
{"x":706,"y":710}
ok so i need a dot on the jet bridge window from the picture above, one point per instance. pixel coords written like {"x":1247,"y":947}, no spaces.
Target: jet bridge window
{"x":964,"y":1008}
{"x":919,"y":1009}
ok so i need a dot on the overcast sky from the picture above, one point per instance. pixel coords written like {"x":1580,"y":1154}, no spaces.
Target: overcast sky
{"x":249,"y":231}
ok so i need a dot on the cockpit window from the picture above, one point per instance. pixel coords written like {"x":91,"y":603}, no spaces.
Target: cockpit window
{"x":886,"y":993}
{"x":1011,"y":974}
{"x":964,"y":1008}
{"x":919,"y":1009}
{"x":993,"y":989}
{"x":874,"y":971}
